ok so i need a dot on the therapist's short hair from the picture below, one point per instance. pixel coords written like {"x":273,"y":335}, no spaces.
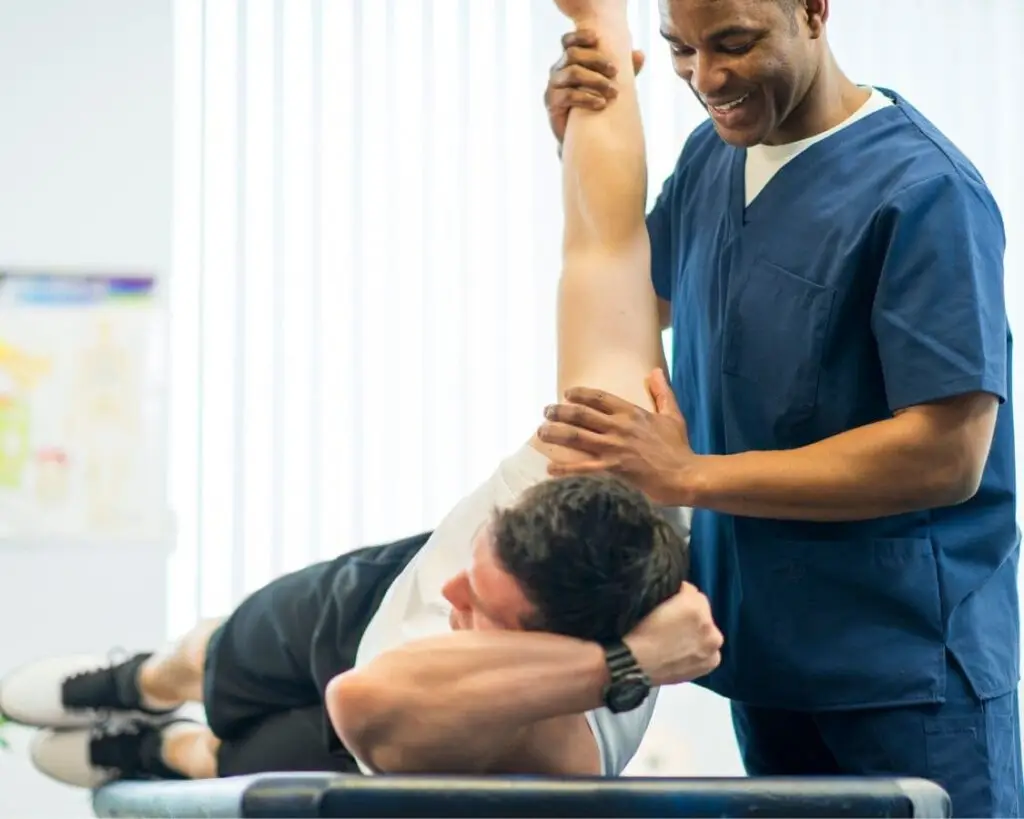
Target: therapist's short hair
{"x":593,"y":555}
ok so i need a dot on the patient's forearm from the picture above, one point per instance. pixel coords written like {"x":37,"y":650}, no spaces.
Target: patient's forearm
{"x":458,"y":701}
{"x":604,"y":160}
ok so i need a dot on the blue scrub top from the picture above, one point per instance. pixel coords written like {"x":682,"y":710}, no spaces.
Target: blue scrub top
{"x":866,"y":277}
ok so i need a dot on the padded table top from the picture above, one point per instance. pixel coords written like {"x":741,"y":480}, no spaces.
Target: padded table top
{"x":338,"y":795}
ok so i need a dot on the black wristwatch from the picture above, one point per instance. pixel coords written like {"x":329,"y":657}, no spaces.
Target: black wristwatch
{"x":629,"y":686}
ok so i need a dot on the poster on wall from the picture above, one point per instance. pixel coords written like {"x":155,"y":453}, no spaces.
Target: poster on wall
{"x":82,"y":398}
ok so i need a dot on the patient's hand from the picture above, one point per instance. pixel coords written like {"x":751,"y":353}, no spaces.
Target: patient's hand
{"x":678,"y":641}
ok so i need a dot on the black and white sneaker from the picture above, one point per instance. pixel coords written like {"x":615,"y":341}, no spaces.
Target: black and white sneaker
{"x":89,"y":758}
{"x":73,"y":691}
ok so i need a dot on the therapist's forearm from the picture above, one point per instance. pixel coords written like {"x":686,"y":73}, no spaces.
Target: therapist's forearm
{"x":455,"y":702}
{"x":886,"y":468}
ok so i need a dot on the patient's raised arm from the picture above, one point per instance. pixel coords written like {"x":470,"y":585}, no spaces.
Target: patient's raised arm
{"x":609,"y":335}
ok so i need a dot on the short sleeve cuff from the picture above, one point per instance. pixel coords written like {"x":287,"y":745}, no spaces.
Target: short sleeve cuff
{"x":912,"y":395}
{"x":595,"y":729}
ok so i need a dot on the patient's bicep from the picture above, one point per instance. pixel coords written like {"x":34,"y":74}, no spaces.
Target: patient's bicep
{"x":608,"y":325}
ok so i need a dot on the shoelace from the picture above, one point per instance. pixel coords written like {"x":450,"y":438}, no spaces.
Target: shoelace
{"x":115,"y":657}
{"x":116,"y":749}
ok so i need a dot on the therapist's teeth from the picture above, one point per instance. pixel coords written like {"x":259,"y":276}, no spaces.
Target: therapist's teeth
{"x":730,"y":105}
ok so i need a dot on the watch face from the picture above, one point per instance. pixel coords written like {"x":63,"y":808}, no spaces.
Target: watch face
{"x":627,"y":694}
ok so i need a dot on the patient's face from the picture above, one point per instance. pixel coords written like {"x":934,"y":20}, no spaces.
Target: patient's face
{"x":485,"y":596}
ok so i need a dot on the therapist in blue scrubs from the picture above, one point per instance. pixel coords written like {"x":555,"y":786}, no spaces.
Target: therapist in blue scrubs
{"x":832,"y":268}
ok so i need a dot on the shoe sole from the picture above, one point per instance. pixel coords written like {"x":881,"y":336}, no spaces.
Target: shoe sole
{"x":75,"y":776}
{"x":71,"y":720}
{"x":82,"y":719}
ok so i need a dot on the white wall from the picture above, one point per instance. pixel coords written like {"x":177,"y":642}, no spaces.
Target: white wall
{"x":85,"y":170}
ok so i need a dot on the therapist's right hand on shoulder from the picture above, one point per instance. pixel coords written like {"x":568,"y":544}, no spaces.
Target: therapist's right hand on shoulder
{"x":582,"y":78}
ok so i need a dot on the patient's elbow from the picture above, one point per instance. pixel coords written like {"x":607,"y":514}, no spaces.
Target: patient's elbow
{"x":357,"y":712}
{"x":367,"y":715}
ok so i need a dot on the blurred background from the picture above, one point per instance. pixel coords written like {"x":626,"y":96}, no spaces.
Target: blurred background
{"x":278,"y":281}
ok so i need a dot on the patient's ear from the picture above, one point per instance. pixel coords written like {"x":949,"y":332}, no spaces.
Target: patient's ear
{"x":815,"y":14}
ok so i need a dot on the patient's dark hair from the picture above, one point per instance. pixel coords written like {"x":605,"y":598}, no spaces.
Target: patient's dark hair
{"x":592,"y":554}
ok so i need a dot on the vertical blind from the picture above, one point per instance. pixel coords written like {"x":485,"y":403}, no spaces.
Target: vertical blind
{"x":366,"y":252}
{"x":366,"y":246}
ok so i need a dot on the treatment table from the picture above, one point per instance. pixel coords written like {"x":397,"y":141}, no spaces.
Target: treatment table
{"x":315,"y":795}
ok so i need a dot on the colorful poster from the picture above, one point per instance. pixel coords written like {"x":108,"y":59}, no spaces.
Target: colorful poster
{"x":82,"y":397}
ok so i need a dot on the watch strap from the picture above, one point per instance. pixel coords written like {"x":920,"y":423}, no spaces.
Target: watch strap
{"x":621,"y":662}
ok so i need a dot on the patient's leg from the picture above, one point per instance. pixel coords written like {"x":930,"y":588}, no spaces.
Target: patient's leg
{"x":608,"y":330}
{"x":190,"y":749}
{"x":175,"y":675}
{"x":286,"y":741}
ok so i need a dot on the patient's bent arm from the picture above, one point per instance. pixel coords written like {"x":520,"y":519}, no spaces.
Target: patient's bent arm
{"x":473,"y":702}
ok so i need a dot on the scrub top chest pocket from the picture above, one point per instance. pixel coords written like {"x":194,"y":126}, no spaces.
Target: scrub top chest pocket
{"x":775,"y":327}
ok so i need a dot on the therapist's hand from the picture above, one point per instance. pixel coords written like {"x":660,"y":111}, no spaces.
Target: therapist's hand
{"x":650,"y":450}
{"x":582,"y":78}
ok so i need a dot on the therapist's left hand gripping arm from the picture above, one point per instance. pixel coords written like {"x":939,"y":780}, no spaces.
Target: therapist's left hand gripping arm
{"x":939,"y":324}
{"x":924,"y":457}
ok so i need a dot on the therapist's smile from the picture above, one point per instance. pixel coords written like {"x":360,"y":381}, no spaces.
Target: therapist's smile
{"x":732,"y":112}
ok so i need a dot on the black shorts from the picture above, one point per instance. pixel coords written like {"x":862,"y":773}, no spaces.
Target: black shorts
{"x":268,"y":664}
